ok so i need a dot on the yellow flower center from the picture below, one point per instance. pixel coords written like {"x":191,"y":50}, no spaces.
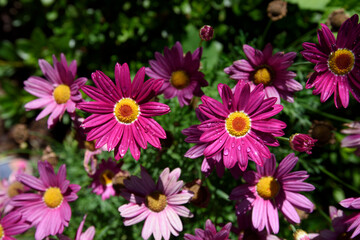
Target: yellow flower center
{"x":267,"y":187}
{"x":263,"y":75}
{"x":1,"y":232}
{"x":15,"y":188}
{"x":62,"y":94}
{"x":106,"y":177}
{"x":341,"y":61}
{"x":156,"y":201}
{"x":179,"y":79}
{"x":238,"y":124}
{"x":301,"y":235}
{"x":53,"y":197}
{"x":126,"y":111}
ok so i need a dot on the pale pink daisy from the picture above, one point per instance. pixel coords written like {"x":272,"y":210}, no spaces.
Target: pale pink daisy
{"x":271,"y":189}
{"x":337,"y":62}
{"x":262,"y":67}
{"x":160,"y":205}
{"x":210,"y":233}
{"x":241,"y":127}
{"x":180,"y":73}
{"x":121,"y":112}
{"x":102,"y":179}
{"x":58,"y":92}
{"x":48,"y":210}
{"x":354,"y":219}
{"x":12,"y":224}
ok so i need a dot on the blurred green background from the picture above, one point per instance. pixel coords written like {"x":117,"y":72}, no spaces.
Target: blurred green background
{"x":100,"y":33}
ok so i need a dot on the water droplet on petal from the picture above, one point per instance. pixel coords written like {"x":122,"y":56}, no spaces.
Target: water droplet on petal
{"x":226,"y":151}
{"x":248,"y":149}
{"x":239,"y":147}
{"x":232,"y":145}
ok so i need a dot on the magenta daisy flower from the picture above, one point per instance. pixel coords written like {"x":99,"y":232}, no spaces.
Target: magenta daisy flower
{"x":121,"y":113}
{"x":269,"y":190}
{"x":241,"y":126}
{"x":102,"y":183}
{"x":160,"y":205}
{"x":48,"y":210}
{"x":354,"y":219}
{"x":210,"y":233}
{"x":59,"y":92}
{"x":12,"y":224}
{"x":268,"y":69}
{"x":337,"y":63}
{"x":353,"y":140}
{"x":180,"y":73}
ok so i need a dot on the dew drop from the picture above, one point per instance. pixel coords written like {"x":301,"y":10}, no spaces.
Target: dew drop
{"x":226,"y":151}
{"x":232,"y":145}
{"x":239,"y":147}
{"x":248,"y":149}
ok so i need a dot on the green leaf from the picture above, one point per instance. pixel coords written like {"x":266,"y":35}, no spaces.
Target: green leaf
{"x":311,"y":4}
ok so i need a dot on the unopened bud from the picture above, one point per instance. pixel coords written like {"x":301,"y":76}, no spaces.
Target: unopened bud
{"x":206,"y":32}
{"x":302,"y":142}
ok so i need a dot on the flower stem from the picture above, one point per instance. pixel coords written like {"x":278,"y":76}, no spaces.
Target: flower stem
{"x":301,"y":63}
{"x":262,"y":38}
{"x":331,"y":175}
{"x":293,"y":228}
{"x":283,"y":138}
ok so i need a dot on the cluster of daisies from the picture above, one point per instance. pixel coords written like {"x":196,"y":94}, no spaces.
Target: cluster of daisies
{"x":231,"y":132}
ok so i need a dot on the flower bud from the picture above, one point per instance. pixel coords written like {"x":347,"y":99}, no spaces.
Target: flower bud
{"x":301,"y":235}
{"x":302,"y":142}
{"x":206,"y":32}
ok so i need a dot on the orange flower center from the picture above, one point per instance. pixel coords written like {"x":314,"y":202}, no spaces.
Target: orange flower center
{"x":53,"y":197}
{"x":267,"y":187}
{"x":106,"y":177}
{"x":341,"y":61}
{"x":238,"y":124}
{"x":179,"y":79}
{"x":156,"y":201}
{"x":263,"y":75}
{"x":62,"y":94}
{"x":126,"y":111}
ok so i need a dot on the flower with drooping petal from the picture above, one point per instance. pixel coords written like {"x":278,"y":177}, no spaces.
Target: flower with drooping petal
{"x":12,"y":224}
{"x":352,"y":141}
{"x":121,"y":113}
{"x":268,"y":69}
{"x":354,"y":219}
{"x":302,"y":142}
{"x":337,"y":63}
{"x":59,"y":92}
{"x":193,"y":134}
{"x":210,"y":233}
{"x":160,"y":205}
{"x":180,"y":73}
{"x":48,"y":210}
{"x":102,"y":183}
{"x":271,"y":189}
{"x":87,"y":235}
{"x":241,"y":126}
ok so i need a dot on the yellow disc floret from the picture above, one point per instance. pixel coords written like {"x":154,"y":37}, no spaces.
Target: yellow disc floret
{"x":106,"y":177}
{"x":262,"y":75}
{"x":341,"y":61}
{"x":267,"y":187}
{"x":126,"y":111}
{"x":238,"y":124}
{"x":156,"y":201}
{"x":62,"y":94}
{"x":53,"y":197}
{"x":179,"y":79}
{"x":1,"y":232}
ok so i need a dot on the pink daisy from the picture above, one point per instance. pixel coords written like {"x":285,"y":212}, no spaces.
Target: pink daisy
{"x":180,"y":73}
{"x":160,"y":205}
{"x":210,"y":233}
{"x":121,"y":113}
{"x":241,"y":126}
{"x":193,"y":134}
{"x":337,"y":63}
{"x":48,"y":210}
{"x":87,"y":235}
{"x":269,"y":190}
{"x":354,"y":219}
{"x":102,"y":179}
{"x":12,"y":224}
{"x":353,"y":140}
{"x":268,"y":69}
{"x":59,"y":92}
